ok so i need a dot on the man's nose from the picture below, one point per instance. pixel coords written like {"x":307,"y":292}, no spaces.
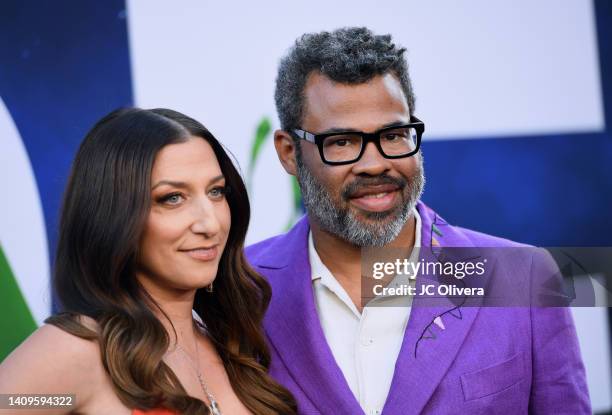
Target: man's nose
{"x":371,"y":162}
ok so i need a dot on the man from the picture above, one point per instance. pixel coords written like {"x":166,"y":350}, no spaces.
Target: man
{"x":350,"y":136}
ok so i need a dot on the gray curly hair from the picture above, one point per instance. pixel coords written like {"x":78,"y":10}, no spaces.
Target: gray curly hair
{"x":350,"y":55}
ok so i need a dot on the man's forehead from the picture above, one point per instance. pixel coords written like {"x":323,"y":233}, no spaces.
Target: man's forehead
{"x":330,"y":104}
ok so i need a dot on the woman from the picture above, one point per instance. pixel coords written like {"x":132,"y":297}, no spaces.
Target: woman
{"x":152,"y":229}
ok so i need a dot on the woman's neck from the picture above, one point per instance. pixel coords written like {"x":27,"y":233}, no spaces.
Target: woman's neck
{"x":174,"y":309}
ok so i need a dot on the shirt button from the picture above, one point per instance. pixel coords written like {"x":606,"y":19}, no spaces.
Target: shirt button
{"x":367,"y":341}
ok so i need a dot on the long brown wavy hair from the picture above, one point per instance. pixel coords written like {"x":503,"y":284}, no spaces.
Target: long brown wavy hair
{"x":105,"y":208}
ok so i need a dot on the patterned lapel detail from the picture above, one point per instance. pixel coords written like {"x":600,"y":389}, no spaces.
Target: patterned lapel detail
{"x":429,"y":348}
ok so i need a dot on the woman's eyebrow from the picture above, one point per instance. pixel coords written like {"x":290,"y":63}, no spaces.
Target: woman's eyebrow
{"x":170,"y":183}
{"x":184,"y":185}
{"x":217,"y":178}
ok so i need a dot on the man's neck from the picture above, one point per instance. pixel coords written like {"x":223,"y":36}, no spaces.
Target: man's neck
{"x":343,"y":259}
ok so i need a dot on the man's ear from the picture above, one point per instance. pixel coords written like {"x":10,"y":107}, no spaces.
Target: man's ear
{"x":286,"y":151}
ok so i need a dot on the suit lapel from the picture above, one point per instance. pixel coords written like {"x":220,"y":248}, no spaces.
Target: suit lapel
{"x":435,"y":331}
{"x":294,"y":329}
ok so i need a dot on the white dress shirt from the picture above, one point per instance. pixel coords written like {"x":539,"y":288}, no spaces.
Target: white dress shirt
{"x":365,"y":345}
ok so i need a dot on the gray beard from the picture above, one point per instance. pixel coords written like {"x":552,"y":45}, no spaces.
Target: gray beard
{"x":384,"y":226}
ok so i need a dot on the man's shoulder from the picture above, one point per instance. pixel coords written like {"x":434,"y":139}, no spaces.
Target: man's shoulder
{"x":257,"y":249}
{"x":533,"y":261}
{"x":276,"y":251}
{"x":440,"y":232}
{"x":484,"y":240}
{"x":506,"y":252}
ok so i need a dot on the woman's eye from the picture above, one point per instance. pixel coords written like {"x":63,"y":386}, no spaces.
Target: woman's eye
{"x":172,"y":199}
{"x":218,"y":192}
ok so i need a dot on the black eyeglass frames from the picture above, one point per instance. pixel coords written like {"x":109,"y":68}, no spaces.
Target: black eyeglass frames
{"x":345,"y":147}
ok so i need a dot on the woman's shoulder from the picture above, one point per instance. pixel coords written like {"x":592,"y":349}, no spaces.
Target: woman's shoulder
{"x":51,"y":360}
{"x":62,"y":343}
{"x":52,"y":339}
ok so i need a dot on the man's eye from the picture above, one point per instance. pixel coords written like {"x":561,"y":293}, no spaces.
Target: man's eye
{"x":341,"y":143}
{"x":391,"y":137}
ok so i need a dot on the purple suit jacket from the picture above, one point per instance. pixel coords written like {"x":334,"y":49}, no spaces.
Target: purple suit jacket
{"x":487,"y":360}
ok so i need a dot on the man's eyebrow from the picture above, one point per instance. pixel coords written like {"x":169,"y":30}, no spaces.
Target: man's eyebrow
{"x":184,"y":185}
{"x":394,"y":124}
{"x":339,"y":130}
{"x":335,"y":130}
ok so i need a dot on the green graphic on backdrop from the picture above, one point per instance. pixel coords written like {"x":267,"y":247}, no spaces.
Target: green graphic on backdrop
{"x":16,"y":321}
{"x":264,"y":128}
{"x":262,"y":133}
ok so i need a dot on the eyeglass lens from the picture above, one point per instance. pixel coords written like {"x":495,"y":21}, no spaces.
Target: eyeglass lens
{"x":345,"y":147}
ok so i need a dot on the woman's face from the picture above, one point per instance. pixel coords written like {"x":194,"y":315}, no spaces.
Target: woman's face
{"x":189,"y":220}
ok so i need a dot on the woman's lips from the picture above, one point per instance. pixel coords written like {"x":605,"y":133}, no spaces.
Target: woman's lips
{"x":202,"y":254}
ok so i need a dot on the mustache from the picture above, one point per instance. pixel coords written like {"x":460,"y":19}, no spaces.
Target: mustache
{"x":360,"y":182}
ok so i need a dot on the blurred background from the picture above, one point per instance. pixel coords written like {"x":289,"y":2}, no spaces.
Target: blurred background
{"x":516,"y":96}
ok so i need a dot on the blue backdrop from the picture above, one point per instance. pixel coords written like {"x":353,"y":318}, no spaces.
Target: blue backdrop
{"x":552,"y":190}
{"x":63,"y":65}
